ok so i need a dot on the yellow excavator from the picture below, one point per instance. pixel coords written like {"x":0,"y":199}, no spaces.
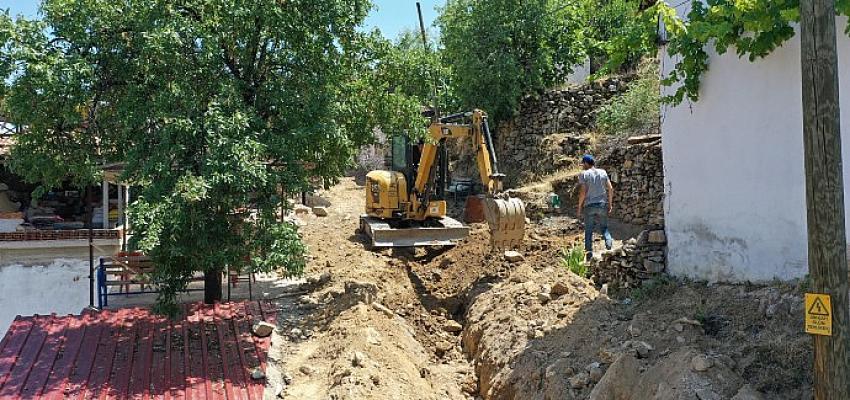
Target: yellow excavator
{"x":406,"y":206}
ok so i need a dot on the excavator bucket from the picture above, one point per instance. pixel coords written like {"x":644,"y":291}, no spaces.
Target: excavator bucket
{"x":506,"y":218}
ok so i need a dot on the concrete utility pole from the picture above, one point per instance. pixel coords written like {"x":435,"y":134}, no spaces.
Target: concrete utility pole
{"x":825,"y":194}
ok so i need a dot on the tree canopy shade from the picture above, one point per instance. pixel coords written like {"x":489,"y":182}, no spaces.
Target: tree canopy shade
{"x":217,"y":108}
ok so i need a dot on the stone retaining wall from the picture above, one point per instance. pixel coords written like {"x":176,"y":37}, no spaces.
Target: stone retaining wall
{"x":637,"y":260}
{"x":548,"y":133}
{"x":637,"y":173}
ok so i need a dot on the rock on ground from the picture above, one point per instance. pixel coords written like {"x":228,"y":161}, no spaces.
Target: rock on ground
{"x":701,"y":363}
{"x":560,"y":289}
{"x":619,"y":381}
{"x":747,"y":392}
{"x":673,"y":378}
{"x":452,"y":326}
{"x":513,"y":256}
{"x":380,"y":307}
{"x":258,"y":374}
{"x":262,"y":329}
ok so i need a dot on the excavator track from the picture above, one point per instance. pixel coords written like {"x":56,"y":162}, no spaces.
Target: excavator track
{"x":445,"y":231}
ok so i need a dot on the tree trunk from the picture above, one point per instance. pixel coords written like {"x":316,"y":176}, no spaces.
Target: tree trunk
{"x":212,"y":287}
{"x":825,"y":193}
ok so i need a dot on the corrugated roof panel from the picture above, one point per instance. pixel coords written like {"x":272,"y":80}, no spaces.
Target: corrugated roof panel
{"x":131,"y":353}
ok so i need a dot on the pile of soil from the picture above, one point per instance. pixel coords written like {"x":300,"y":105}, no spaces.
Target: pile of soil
{"x":546,"y":333}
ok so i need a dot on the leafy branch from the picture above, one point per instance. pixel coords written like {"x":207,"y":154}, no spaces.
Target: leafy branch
{"x":752,"y":28}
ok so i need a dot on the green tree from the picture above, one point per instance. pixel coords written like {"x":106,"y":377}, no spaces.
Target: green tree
{"x":499,"y":50}
{"x":398,"y":80}
{"x":608,"y":20}
{"x":216,"y":107}
{"x":7,"y":31}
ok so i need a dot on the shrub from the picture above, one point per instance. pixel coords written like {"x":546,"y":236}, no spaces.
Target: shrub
{"x":637,"y":111}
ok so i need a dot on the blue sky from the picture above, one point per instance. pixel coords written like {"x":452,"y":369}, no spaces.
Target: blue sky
{"x":394,"y":16}
{"x":390,"y":16}
{"x":27,"y":8}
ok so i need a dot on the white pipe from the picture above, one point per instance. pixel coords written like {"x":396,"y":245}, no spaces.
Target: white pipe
{"x":121,"y":203}
{"x":105,"y":203}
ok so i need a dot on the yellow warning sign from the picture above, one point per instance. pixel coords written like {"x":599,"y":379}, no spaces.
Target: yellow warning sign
{"x":818,"y":314}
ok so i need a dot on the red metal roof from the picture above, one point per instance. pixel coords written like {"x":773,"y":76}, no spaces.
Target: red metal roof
{"x":207,"y":353}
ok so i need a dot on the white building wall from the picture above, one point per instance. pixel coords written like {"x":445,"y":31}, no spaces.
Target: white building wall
{"x":61,"y":287}
{"x":734,"y":175}
{"x":46,"y":276}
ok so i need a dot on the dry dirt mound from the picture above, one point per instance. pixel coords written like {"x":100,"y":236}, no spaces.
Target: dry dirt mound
{"x":547,"y":334}
{"x":351,"y":349}
{"x":446,"y":281}
{"x":515,"y":331}
{"x":341,"y":341}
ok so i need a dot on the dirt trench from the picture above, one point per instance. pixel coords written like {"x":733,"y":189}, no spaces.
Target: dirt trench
{"x":364,"y":327}
{"x":463,"y":323}
{"x":382,"y":324}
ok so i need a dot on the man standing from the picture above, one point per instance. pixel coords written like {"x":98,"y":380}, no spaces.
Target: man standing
{"x":595,"y":201}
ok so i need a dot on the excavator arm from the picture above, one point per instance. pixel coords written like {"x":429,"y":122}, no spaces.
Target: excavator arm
{"x":505,"y":216}
{"x":482,"y":143}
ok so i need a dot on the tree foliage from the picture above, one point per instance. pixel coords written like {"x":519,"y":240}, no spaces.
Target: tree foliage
{"x":753,"y":28}
{"x":215,"y":107}
{"x":7,"y":30}
{"x":499,"y":50}
{"x":399,"y":80}
{"x":607,"y":22}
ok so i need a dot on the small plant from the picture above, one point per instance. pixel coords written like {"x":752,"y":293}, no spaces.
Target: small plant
{"x":657,"y":287}
{"x":573,"y":260}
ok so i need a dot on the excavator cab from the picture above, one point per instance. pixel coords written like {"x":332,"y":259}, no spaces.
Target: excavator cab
{"x":405,"y":155}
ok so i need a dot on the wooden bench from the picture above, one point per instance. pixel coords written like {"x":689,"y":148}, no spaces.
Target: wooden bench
{"x":125,"y":271}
